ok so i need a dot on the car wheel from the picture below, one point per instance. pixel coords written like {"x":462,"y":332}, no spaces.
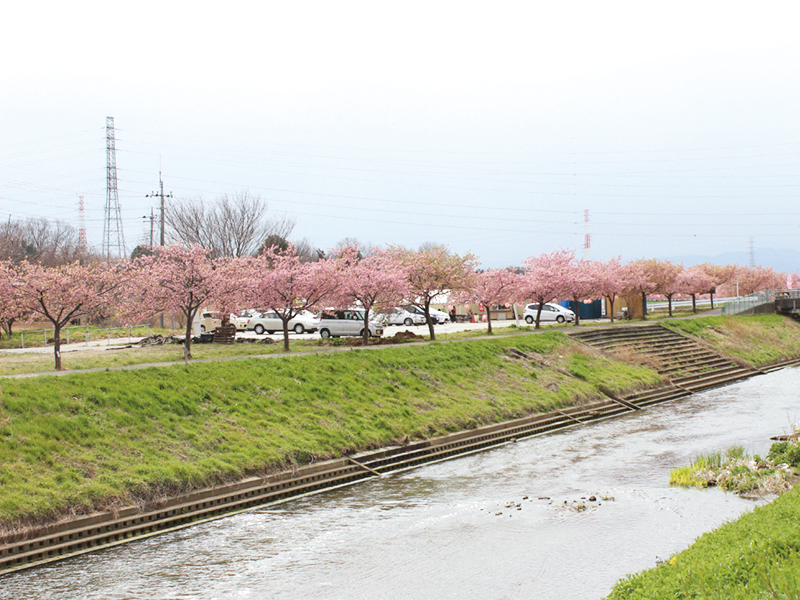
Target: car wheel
{"x":408,"y":322}
{"x":298,"y":329}
{"x":259,"y":329}
{"x":271,"y":331}
{"x":529,"y":320}
{"x":560,"y":318}
{"x":202,"y":328}
{"x":361,"y":333}
{"x":324,"y":333}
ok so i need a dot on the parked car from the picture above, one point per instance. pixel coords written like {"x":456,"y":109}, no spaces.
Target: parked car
{"x":550,"y":312}
{"x":242,"y":318}
{"x":208,"y":320}
{"x":437,"y":316}
{"x":346,"y":322}
{"x":270,"y":322}
{"x":400,"y":316}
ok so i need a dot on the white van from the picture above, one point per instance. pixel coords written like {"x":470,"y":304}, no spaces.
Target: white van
{"x":346,"y":322}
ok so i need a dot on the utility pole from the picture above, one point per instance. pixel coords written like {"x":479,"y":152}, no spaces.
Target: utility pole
{"x":152,"y":224}
{"x":160,"y":194}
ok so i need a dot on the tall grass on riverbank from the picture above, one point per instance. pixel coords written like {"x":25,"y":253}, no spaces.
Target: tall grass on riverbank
{"x":93,"y":440}
{"x":756,"y":556}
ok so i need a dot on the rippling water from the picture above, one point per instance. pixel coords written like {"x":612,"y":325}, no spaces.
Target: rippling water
{"x":499,"y":524}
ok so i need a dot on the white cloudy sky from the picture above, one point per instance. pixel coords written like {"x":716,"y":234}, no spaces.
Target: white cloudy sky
{"x":490,"y":127}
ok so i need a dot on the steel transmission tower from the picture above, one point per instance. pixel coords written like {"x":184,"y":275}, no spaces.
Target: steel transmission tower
{"x":82,"y":242}
{"x":113,"y":236}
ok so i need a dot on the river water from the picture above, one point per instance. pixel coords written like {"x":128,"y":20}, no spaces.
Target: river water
{"x":504,"y":523}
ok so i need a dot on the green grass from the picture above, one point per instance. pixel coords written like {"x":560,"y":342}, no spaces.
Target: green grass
{"x":756,"y":556}
{"x":758,"y":340}
{"x":87,"y":440}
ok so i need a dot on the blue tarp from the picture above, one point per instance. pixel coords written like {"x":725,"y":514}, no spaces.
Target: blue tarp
{"x":593,"y":310}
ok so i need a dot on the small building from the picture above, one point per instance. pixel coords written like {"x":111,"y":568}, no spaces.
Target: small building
{"x":626,"y":307}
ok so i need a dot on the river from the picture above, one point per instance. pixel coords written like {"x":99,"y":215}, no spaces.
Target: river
{"x":502,"y":524}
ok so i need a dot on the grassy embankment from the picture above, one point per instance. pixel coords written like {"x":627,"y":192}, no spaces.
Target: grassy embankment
{"x":757,"y":340}
{"x":101,"y":358}
{"x":92,"y":440}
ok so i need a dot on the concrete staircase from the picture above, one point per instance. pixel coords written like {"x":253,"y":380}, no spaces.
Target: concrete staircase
{"x":688,"y":365}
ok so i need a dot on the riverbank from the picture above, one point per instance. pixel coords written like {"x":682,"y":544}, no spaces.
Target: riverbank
{"x":756,"y":556}
{"x":98,"y":441}
{"x":95,"y":441}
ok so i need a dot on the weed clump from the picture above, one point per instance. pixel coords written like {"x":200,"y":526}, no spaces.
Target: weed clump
{"x":735,"y":471}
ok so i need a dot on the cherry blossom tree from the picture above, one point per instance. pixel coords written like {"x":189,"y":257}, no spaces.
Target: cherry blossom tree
{"x":279,"y":281}
{"x":580,"y":283}
{"x":374,"y":281}
{"x":694,"y":281}
{"x":611,"y":280}
{"x":432,"y":272}
{"x":179,"y":279}
{"x":665,"y":274}
{"x":63,"y":293}
{"x":10,"y":310}
{"x":642,"y":279}
{"x":754,"y":279}
{"x":491,"y":287}
{"x":720,"y":275}
{"x":544,"y":278}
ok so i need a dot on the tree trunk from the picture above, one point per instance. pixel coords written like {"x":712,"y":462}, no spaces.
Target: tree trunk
{"x":538,"y":315}
{"x":611,"y":300}
{"x":712,"y":300}
{"x":644,"y":306}
{"x":694,"y":303}
{"x":187,"y":341}
{"x":285,"y":323}
{"x":669,"y":303}
{"x":57,"y":345}
{"x":577,"y":312}
{"x":428,"y":319}
{"x":488,"y":317}
{"x":365,"y":336}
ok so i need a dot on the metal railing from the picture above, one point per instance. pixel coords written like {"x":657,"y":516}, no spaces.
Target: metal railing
{"x":741,"y":305}
{"x":86,"y":331}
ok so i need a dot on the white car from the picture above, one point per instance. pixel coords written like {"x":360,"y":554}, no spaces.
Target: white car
{"x":400,"y":316}
{"x":242,"y":318}
{"x":437,"y":316}
{"x":346,"y":322}
{"x":270,"y":323}
{"x":550,"y":312}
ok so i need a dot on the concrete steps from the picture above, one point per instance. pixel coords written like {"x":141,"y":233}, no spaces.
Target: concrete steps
{"x":688,"y":365}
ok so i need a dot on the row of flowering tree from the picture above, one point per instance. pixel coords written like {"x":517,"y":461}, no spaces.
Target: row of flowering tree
{"x":558,"y":275}
{"x":182,"y":280}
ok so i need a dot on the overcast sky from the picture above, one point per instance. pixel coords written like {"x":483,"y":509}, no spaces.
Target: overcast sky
{"x":489,"y":127}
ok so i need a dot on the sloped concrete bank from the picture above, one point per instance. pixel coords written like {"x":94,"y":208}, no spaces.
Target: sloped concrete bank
{"x":676,"y":357}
